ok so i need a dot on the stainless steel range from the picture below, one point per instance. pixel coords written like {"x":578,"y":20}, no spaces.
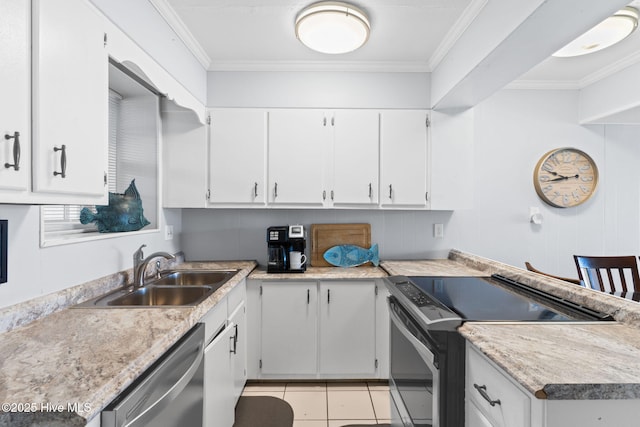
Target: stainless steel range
{"x":427,"y":356}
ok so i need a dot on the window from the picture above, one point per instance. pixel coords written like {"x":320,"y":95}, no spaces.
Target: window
{"x":134,"y":125}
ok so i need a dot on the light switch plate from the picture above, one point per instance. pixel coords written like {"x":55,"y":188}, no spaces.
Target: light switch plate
{"x":438,"y":231}
{"x":168,"y":232}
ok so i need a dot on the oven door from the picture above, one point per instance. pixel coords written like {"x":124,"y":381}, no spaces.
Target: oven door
{"x":414,"y":376}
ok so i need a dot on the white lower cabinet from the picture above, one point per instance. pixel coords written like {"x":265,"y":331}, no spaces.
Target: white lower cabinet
{"x":288,"y":328}
{"x":225,"y":366}
{"x":486,"y":383}
{"x":219,"y":403}
{"x":310,"y":329}
{"x":347,"y":343}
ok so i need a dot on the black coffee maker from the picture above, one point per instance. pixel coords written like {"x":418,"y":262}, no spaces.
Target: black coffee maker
{"x":281,"y":241}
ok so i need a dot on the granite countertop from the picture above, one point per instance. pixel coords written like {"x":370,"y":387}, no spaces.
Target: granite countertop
{"x":552,"y":361}
{"x":317,"y":273}
{"x":88,"y":356}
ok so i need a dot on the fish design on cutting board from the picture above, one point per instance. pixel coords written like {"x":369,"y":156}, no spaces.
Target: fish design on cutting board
{"x":351,"y":255}
{"x":124,"y":212}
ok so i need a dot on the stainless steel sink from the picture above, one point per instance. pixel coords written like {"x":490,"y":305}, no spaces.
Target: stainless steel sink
{"x":174,"y":288}
{"x":163,"y":296}
{"x":193,"y":277}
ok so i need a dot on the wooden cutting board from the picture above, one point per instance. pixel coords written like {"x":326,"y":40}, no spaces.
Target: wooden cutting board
{"x":325,"y":236}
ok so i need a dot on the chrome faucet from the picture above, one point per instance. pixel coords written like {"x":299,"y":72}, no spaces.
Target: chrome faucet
{"x":140,"y":264}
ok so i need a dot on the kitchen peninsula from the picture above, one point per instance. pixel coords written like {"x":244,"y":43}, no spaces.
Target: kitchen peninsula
{"x":90,"y":355}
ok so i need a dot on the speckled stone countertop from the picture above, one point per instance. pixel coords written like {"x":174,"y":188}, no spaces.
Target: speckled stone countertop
{"x":88,"y":356}
{"x":550,"y":360}
{"x":316,"y":273}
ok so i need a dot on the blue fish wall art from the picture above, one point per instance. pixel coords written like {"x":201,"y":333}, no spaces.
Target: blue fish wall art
{"x":124,"y":212}
{"x":351,"y":255}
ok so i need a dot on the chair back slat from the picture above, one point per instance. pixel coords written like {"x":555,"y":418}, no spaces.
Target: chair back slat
{"x":609,"y":273}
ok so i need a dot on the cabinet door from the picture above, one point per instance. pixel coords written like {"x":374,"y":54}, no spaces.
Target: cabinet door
{"x":238,"y":142}
{"x":347,"y":328}
{"x":70,"y":99}
{"x":298,"y":141}
{"x":288,"y":324}
{"x":219,"y":400}
{"x":184,"y":152}
{"x":403,"y":158}
{"x":14,"y":103}
{"x":239,"y":358}
{"x":355,"y":157}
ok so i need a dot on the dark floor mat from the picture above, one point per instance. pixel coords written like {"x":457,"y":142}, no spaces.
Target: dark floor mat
{"x":263,"y":411}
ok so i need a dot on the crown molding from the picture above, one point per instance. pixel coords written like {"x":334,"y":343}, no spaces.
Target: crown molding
{"x":468,"y":15}
{"x":178,"y":26}
{"x":610,"y":69}
{"x":353,"y":66}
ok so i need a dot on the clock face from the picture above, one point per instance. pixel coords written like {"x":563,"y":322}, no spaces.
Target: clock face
{"x":565,"y":177}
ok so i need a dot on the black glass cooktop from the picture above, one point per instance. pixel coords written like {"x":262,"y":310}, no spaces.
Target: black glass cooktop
{"x":489,"y":299}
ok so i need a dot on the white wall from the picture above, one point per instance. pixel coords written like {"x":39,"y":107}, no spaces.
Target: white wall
{"x":513,"y":130}
{"x":320,"y":89}
{"x":35,"y":271}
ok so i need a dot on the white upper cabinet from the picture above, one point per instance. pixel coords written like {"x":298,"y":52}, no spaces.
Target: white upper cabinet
{"x":70,"y":100}
{"x":356,"y":140}
{"x":297,"y":157}
{"x":15,"y":141}
{"x":237,"y":152}
{"x":404,"y":158}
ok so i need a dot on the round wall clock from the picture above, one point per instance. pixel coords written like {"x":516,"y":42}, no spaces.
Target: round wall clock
{"x":565,"y":177}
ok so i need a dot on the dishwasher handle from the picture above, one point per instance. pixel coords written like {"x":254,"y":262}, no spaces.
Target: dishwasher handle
{"x":170,"y":395}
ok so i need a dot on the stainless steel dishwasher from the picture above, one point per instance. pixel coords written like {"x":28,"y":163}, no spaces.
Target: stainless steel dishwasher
{"x":169,"y":393}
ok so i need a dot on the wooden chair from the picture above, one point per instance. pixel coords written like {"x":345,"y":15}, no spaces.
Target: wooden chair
{"x":608,"y":273}
{"x":566,"y":279}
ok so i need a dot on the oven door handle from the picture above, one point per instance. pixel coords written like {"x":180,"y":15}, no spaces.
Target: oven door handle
{"x":422,"y":349}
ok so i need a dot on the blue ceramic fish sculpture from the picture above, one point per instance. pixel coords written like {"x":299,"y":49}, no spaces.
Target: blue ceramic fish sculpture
{"x":124,"y":212}
{"x":351,"y":255}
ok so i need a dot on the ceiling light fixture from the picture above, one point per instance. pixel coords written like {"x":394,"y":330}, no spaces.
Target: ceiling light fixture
{"x":332,"y":27}
{"x":607,"y":33}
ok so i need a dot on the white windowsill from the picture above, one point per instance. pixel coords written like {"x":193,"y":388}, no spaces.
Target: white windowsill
{"x":89,"y":237}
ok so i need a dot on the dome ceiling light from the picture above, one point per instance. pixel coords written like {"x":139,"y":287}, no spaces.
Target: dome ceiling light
{"x":607,"y":33}
{"x":332,"y":27}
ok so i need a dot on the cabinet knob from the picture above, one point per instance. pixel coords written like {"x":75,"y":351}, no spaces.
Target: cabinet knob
{"x":16,"y":151}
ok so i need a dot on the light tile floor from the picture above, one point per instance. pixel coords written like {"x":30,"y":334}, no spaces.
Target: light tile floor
{"x":332,"y":404}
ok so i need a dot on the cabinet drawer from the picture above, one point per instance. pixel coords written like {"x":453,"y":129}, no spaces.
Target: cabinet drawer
{"x":514,"y":407}
{"x":214,"y":321}
{"x":236,"y":296}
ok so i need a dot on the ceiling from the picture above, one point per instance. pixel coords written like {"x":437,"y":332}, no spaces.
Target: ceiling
{"x":406,"y":35}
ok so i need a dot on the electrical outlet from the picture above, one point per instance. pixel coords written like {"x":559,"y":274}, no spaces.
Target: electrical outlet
{"x":438,"y":231}
{"x":168,"y":232}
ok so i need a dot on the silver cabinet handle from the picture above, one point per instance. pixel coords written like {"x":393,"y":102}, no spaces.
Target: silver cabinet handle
{"x":328,"y":296}
{"x":324,"y":121}
{"x":370,"y":191}
{"x":482,"y":389}
{"x":275,"y":190}
{"x":331,"y":194}
{"x":255,"y":189}
{"x":308,"y":296}
{"x":333,"y":121}
{"x":63,"y":161}
{"x":16,"y":151}
{"x":324,"y":194}
{"x":390,"y":191}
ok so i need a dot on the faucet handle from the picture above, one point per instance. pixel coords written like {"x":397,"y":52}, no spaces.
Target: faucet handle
{"x":138,"y":255}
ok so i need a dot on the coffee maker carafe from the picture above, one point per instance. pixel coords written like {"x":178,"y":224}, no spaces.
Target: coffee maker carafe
{"x":281,"y":242}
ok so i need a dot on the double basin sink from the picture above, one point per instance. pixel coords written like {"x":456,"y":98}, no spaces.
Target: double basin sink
{"x":172,"y":288}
